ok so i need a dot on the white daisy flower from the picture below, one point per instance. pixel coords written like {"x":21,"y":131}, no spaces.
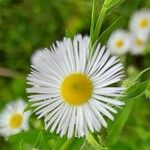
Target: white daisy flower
{"x":13,"y":119}
{"x":138,"y":45}
{"x":37,"y":56}
{"x":119,"y":42}
{"x":140,"y":23}
{"x":74,"y":91}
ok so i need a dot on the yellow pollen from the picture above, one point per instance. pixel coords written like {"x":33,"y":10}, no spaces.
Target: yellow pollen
{"x":119,"y":43}
{"x":139,"y":42}
{"x":143,"y":23}
{"x":15,"y":120}
{"x":76,"y":89}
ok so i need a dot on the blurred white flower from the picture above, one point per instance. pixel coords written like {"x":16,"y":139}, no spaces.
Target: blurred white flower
{"x":140,"y":23}
{"x":138,"y":45}
{"x":13,"y":119}
{"x":73,"y":90}
{"x":119,"y":42}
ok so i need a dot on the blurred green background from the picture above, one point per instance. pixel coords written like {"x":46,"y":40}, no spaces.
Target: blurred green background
{"x":27,"y":25}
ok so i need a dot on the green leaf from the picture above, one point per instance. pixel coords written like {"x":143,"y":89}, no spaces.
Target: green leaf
{"x":77,"y":144}
{"x":115,"y":129}
{"x":111,"y":3}
{"x":147,"y":92}
{"x":99,"y":22}
{"x":133,"y":80}
{"x":127,"y":8}
{"x":73,"y":144}
{"x":91,"y":139}
{"x":105,"y":7}
{"x":136,"y":90}
{"x":39,"y":143}
{"x":105,"y":35}
{"x":93,"y":21}
{"x":60,"y":142}
{"x":67,"y":144}
{"x":30,"y":136}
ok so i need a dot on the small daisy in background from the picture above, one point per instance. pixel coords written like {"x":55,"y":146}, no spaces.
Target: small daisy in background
{"x":119,"y":42}
{"x":138,"y":45}
{"x":73,"y":90}
{"x":140,"y":23}
{"x":13,"y":119}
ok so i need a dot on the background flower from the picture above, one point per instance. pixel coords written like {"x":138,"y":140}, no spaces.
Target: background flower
{"x":140,"y":23}
{"x":13,"y":119}
{"x":137,"y":45}
{"x":119,"y":42}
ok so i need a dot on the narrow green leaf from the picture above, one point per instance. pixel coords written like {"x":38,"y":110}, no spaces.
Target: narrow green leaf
{"x":114,"y":131}
{"x":73,"y":144}
{"x":93,"y":19}
{"x":77,"y":144}
{"x":67,"y":144}
{"x":128,"y":8}
{"x":111,"y":3}
{"x":105,"y":35}
{"x":140,"y":74}
{"x":135,"y":90}
{"x":60,"y":142}
{"x":39,"y":142}
{"x":90,"y":138}
{"x":99,"y":23}
{"x":105,"y":7}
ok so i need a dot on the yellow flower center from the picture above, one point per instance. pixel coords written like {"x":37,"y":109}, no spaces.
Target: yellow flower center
{"x":119,"y":43}
{"x":139,"y":42}
{"x":15,"y":120}
{"x":76,"y":89}
{"x":143,"y":23}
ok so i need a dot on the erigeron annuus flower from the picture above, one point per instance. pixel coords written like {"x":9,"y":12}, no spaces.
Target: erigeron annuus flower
{"x":140,"y":23}
{"x":138,"y":45}
{"x":13,"y":119}
{"x":119,"y":42}
{"x":73,"y":90}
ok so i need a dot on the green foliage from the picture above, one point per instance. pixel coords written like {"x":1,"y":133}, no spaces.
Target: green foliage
{"x":104,"y":36}
{"x":95,"y":144}
{"x":96,"y":24}
{"x":133,"y":92}
{"x":39,"y":139}
{"x":111,"y":3}
{"x":34,"y":138}
{"x":115,"y":128}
